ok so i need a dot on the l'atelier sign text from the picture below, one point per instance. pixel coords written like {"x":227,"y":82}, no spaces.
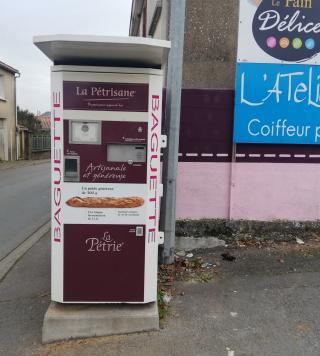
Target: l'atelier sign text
{"x":277,"y":104}
{"x":302,"y":4}
{"x":103,"y":92}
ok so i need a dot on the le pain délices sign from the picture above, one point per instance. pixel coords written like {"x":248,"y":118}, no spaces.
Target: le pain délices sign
{"x":101,"y":96}
{"x":288,"y":30}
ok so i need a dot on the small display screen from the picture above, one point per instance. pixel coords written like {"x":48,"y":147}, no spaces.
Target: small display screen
{"x":126,"y":153}
{"x":85,"y":132}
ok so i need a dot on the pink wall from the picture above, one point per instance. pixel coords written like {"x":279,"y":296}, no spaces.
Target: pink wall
{"x":253,"y":191}
{"x":203,"y":190}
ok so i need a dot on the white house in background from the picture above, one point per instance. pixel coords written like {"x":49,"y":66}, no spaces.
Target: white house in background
{"x":150,"y":18}
{"x":8,"y":113}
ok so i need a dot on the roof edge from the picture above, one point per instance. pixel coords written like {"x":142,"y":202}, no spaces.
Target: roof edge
{"x":104,"y":50}
{"x":101,"y":39}
{"x":9,"y":68}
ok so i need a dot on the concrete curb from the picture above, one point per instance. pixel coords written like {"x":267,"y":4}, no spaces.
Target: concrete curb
{"x":248,"y":230}
{"x":70,"y":321}
{"x":12,"y":258}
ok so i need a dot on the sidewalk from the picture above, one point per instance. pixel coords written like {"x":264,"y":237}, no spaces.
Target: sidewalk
{"x":16,"y":164}
{"x":265,"y":303}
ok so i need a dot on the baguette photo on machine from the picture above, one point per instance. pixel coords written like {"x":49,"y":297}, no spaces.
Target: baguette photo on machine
{"x":105,"y":202}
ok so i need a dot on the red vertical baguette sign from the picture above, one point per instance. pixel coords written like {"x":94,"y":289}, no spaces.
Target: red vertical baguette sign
{"x":57,"y":169}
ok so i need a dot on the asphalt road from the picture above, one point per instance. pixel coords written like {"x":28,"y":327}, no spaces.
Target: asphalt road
{"x":24,"y":204}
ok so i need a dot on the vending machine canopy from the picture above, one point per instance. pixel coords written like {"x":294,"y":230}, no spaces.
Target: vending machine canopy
{"x":104,"y":50}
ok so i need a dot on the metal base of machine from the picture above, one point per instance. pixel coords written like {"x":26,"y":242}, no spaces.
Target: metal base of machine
{"x":71,"y":321}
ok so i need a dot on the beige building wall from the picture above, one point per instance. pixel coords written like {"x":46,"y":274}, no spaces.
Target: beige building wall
{"x":7,"y":116}
{"x":161,"y":31}
{"x":140,"y":32}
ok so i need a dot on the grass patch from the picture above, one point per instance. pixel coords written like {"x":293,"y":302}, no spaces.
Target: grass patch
{"x":162,"y":306}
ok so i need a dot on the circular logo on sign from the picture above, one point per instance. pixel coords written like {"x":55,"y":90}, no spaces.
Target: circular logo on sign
{"x":288,"y":30}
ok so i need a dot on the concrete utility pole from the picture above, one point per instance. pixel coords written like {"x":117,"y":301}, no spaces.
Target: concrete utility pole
{"x":172,"y":129}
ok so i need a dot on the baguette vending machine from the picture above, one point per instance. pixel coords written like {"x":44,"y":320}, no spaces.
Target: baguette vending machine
{"x":106,"y":185}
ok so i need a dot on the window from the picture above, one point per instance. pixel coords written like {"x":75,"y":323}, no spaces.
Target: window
{"x":2,"y":94}
{"x":155,"y":18}
{"x":144,"y":21}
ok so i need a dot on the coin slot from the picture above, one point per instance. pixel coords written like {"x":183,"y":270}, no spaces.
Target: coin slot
{"x":71,"y":169}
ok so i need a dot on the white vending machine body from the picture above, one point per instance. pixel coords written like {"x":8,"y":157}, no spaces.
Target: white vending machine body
{"x":106,"y":140}
{"x":106,"y":184}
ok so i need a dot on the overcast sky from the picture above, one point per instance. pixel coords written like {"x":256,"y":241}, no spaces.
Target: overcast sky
{"x":21,"y":20}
